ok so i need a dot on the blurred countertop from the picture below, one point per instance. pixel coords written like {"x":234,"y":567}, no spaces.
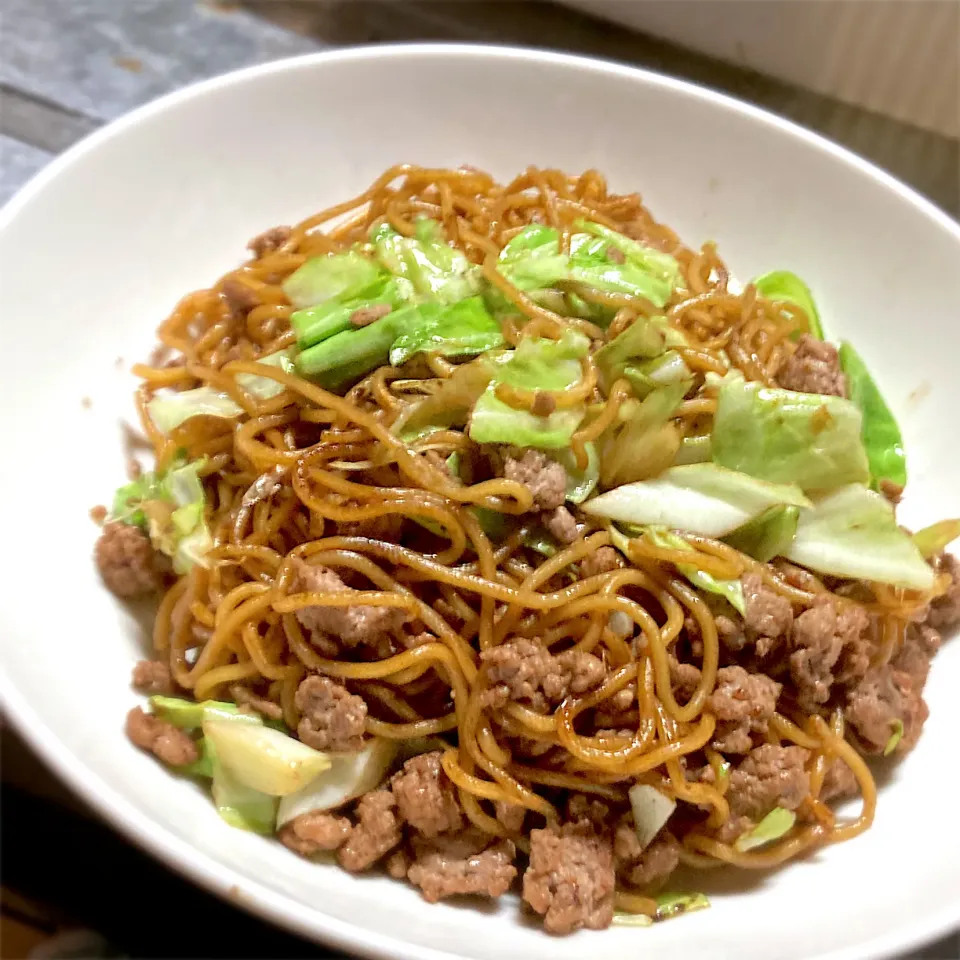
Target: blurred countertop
{"x":69,"y":66}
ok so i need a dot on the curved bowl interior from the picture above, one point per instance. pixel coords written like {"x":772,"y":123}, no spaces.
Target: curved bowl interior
{"x":99,"y":248}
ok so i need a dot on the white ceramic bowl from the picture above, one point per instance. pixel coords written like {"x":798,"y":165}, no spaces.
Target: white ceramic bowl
{"x":98,"y":248}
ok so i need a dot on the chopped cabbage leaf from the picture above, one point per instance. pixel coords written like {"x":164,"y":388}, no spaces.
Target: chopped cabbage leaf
{"x":882,"y":439}
{"x":648,"y":375}
{"x":642,"y":340}
{"x":324,"y":320}
{"x":671,"y":905}
{"x":238,"y":804}
{"x":656,"y":265}
{"x":934,"y":539}
{"x":773,"y":826}
{"x":623,"y":919}
{"x":536,"y":364}
{"x":190,"y":714}
{"x":895,"y":737}
{"x":787,"y":287}
{"x":580,"y":483}
{"x":533,"y":262}
{"x":342,"y":276}
{"x":853,"y":533}
{"x":697,"y":449}
{"x":169,"y":409}
{"x":651,"y":810}
{"x":436,"y":270}
{"x":786,"y":437}
{"x":730,"y":590}
{"x":768,"y":535}
{"x":641,"y":442}
{"x":262,"y":758}
{"x":449,"y":405}
{"x":169,"y":505}
{"x":349,"y":355}
{"x":349,"y":776}
{"x":460,"y":329}
{"x":701,"y":498}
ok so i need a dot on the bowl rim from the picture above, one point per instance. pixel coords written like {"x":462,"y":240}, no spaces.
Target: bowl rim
{"x":178,"y":854}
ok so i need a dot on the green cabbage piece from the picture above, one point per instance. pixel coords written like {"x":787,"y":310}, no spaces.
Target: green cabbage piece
{"x":536,"y":364}
{"x":934,"y":539}
{"x":460,"y":329}
{"x":345,"y":357}
{"x":882,"y":439}
{"x":189,"y":714}
{"x":787,"y":437}
{"x":533,"y":262}
{"x":895,"y":737}
{"x":642,"y":340}
{"x":238,"y":805}
{"x":338,"y":276}
{"x":853,"y":533}
{"x":436,"y":270}
{"x":623,"y":919}
{"x":169,"y":409}
{"x":649,"y":375}
{"x":203,"y":766}
{"x":782,"y":285}
{"x":700,"y":498}
{"x":768,"y":535}
{"x":450,"y":404}
{"x":169,"y":505}
{"x":730,"y":590}
{"x":660,"y":270}
{"x":773,"y":826}
{"x":580,"y":483}
{"x":539,"y":540}
{"x":697,"y":449}
{"x":671,"y":905}
{"x":327,"y":319}
{"x":642,"y":441}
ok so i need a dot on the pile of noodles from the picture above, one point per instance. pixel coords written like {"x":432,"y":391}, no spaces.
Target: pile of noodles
{"x":333,"y":460}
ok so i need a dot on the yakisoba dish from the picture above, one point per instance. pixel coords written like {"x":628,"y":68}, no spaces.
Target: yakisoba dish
{"x":503,"y":541}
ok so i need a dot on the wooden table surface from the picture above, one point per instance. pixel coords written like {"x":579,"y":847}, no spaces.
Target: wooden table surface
{"x":69,"y":66}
